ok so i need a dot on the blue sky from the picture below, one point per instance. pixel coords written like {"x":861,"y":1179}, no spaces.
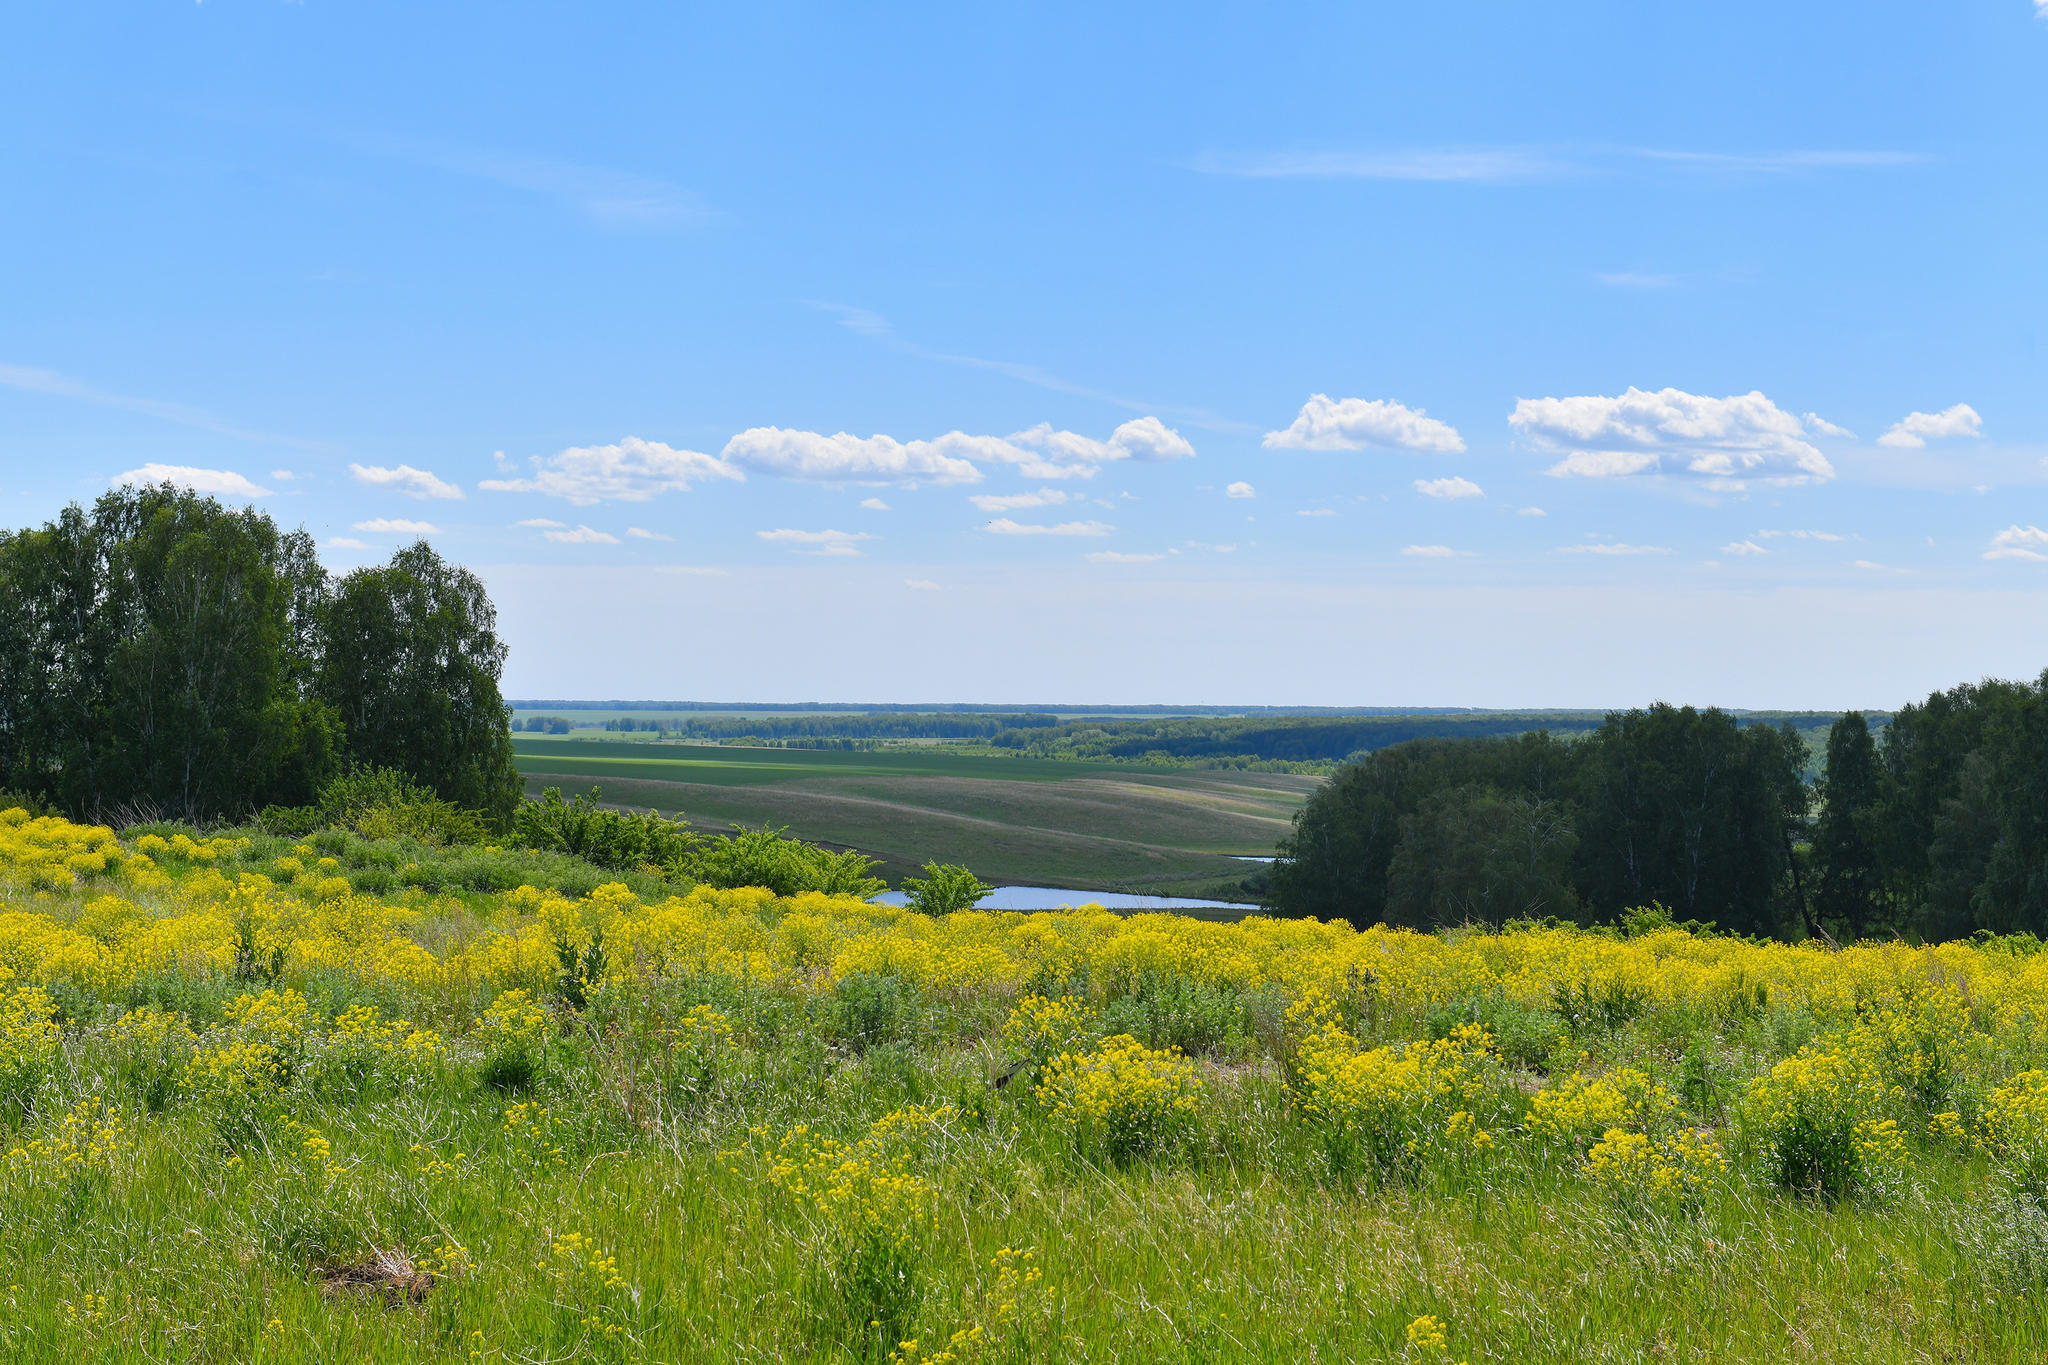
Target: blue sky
{"x":1069,"y":353}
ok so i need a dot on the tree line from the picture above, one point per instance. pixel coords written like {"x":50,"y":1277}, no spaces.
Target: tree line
{"x":161,"y":653}
{"x":1933,"y":828}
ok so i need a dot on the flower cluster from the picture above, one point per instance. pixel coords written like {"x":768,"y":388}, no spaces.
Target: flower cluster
{"x":1122,"y":1095}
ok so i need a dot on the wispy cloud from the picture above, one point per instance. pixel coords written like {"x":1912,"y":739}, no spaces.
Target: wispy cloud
{"x":2018,"y":542}
{"x":1815,"y":422}
{"x":541,"y":522}
{"x":611,"y":198}
{"x":582,"y":535}
{"x":344,"y":543}
{"x":837,"y":543}
{"x":1011,"y":502}
{"x":1800,"y":535}
{"x":28,"y":379}
{"x":1532,"y":512}
{"x":1449,"y":488}
{"x":414,"y":483}
{"x":1916,"y":429}
{"x":642,"y":533}
{"x":631,"y":470}
{"x":1317,"y":512}
{"x":1743,"y":547}
{"x":223,"y":482}
{"x":1429,"y":551}
{"x":1115,"y":557}
{"x":873,"y":325}
{"x":387,"y":526}
{"x":1613,"y":547}
{"x":1003,"y":526}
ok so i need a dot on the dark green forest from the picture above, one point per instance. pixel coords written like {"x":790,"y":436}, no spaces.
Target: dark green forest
{"x":1933,"y":827}
{"x":162,"y":655}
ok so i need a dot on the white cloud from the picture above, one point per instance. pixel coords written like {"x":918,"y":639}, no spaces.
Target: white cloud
{"x":2018,"y":542}
{"x":1429,"y":551}
{"x":283,"y":475}
{"x":1003,"y":526}
{"x":843,"y":458}
{"x":1815,"y":422}
{"x":1318,"y":512}
{"x":631,"y":471}
{"x":1355,"y":423}
{"x":541,"y":521}
{"x":1872,"y":564}
{"x":414,"y":483}
{"x":225,"y":482}
{"x":1011,"y":502}
{"x":1239,"y":490}
{"x":1449,"y":488}
{"x":874,"y":504}
{"x":1744,"y":547}
{"x":344,"y":543}
{"x":641,"y":533}
{"x":1532,"y":512}
{"x":406,"y":528}
{"x":582,"y":535}
{"x":1724,"y":440}
{"x":1146,"y":439}
{"x":1613,"y":548}
{"x":1800,"y":535}
{"x":837,"y":543}
{"x":1917,"y":428}
{"x":924,"y":584}
{"x":1113,"y":557}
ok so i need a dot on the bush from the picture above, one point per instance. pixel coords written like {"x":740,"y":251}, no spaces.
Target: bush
{"x":619,"y":840}
{"x":1811,"y":1117}
{"x":383,"y":803}
{"x":1123,"y":1096}
{"x":943,"y":889}
{"x":788,"y":867}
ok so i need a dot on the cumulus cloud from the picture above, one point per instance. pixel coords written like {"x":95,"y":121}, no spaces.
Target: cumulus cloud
{"x":1003,"y":526}
{"x":1532,"y":512}
{"x":874,"y":504}
{"x":283,"y":475}
{"x":1429,"y":551}
{"x":631,"y":471}
{"x":540,"y":521}
{"x":2018,"y":542}
{"x":641,"y":533}
{"x":1726,"y":441}
{"x":1744,"y":547}
{"x":1113,"y":557}
{"x":1815,"y":422}
{"x":344,"y":543}
{"x":1449,"y":488}
{"x":1145,"y":439}
{"x":390,"y":527}
{"x":1800,"y":535}
{"x":1239,"y":490}
{"x":838,"y":543}
{"x":224,"y":482}
{"x":1039,"y":453}
{"x":1011,"y":502}
{"x":582,"y":535}
{"x":1916,"y":429}
{"x":414,"y":483}
{"x":1355,"y":423}
{"x":1613,"y":547}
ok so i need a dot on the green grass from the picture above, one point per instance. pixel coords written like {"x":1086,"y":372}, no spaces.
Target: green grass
{"x":1093,"y":826}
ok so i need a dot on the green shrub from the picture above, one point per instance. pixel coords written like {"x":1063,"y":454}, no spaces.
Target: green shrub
{"x":616,"y":839}
{"x":383,"y":803}
{"x":944,"y":889}
{"x":788,"y":867}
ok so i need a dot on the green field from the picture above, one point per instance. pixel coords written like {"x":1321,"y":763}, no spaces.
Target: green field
{"x":1090,"y":826}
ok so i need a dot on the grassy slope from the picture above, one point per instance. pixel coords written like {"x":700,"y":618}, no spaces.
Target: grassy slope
{"x":1106,"y":827}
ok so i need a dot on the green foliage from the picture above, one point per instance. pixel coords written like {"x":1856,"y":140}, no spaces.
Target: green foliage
{"x":943,"y":889}
{"x":788,"y":867}
{"x":609,"y":838}
{"x":383,"y":803}
{"x":411,"y":666}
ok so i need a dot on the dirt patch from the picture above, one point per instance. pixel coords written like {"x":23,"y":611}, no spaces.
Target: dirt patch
{"x":388,"y":1276}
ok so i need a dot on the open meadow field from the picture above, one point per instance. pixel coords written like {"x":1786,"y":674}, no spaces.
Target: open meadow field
{"x":254,"y":1111}
{"x":1100,"y":826}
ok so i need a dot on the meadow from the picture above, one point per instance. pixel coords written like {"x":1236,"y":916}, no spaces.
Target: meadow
{"x":1100,"y":826}
{"x":260,"y":1104}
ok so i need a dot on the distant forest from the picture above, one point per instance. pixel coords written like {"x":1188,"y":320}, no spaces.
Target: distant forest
{"x":1934,"y":827}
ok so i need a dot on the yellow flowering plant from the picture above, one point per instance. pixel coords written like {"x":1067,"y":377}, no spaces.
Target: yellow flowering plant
{"x":1122,"y":1097}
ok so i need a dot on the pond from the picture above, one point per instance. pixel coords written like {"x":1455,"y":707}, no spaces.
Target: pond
{"x":1053,"y":898}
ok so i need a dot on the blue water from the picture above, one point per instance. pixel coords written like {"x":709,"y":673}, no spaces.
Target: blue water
{"x":1052,"y":898}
